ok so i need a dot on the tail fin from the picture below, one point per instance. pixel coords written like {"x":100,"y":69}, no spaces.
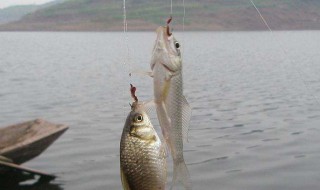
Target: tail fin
{"x":181,"y":175}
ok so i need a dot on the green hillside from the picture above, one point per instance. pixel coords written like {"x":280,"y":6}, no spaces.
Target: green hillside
{"x":97,"y":15}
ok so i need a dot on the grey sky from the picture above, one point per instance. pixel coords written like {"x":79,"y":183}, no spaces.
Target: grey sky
{"x":8,"y":3}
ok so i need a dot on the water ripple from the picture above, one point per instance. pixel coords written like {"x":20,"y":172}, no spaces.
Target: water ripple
{"x":271,"y":139}
{"x":252,"y":132}
{"x":209,"y":160}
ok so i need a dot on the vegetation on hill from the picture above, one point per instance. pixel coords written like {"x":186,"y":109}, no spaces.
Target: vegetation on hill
{"x":95,"y":15}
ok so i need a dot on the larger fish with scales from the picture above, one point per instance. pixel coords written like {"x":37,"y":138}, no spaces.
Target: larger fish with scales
{"x":173,"y":110}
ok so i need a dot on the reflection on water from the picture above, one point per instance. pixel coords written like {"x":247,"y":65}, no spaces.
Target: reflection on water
{"x":34,"y":186}
{"x":255,"y":122}
{"x":40,"y":187}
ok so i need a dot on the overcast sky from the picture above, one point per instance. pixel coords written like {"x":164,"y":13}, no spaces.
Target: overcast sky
{"x":8,"y":3}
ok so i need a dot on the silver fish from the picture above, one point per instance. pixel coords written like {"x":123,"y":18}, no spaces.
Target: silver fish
{"x":143,"y":162}
{"x":173,"y":110}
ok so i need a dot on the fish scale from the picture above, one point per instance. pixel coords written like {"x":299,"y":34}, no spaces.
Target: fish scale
{"x":174,"y":110}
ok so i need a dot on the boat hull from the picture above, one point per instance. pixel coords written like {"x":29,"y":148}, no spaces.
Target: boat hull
{"x":25,"y":141}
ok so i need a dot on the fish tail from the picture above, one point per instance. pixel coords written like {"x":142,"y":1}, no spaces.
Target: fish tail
{"x":181,"y":175}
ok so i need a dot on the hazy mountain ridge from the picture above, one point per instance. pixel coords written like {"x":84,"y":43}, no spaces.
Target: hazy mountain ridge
{"x":107,"y":15}
{"x":14,"y":13}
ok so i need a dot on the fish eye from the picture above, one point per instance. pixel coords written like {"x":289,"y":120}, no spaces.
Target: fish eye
{"x":177,"y":45}
{"x":138,"y":118}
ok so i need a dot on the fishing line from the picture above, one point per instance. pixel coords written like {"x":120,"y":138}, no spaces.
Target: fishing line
{"x":184,"y":15}
{"x":183,"y":25}
{"x":183,"y":21}
{"x":171,"y":9}
{"x":265,"y":22}
{"x":125,"y":30}
{"x":285,"y":53}
{"x":125,"y":44}
{"x":124,"y":17}
{"x":126,"y":56}
{"x":270,"y":30}
{"x":124,"y":84}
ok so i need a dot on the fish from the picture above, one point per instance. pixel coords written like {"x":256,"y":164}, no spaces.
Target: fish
{"x":173,"y":110}
{"x":143,"y":159}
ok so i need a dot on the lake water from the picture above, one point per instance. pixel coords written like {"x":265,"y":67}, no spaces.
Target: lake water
{"x":255,"y":99}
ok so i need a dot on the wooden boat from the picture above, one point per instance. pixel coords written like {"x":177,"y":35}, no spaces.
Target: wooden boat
{"x":23,"y":142}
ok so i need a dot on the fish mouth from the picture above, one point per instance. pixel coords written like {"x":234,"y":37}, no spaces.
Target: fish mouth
{"x":162,"y":35}
{"x":163,"y":39}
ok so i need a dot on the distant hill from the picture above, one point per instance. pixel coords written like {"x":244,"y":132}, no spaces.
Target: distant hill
{"x":15,"y":13}
{"x":107,"y":15}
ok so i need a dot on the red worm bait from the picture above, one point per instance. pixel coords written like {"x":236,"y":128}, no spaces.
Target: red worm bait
{"x":133,"y":92}
{"x":169,"y":20}
{"x":168,"y":29}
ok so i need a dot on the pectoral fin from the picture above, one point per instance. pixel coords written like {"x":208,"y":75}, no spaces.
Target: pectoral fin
{"x":149,"y":105}
{"x":124,"y":181}
{"x":142,"y":73}
{"x":165,"y":89}
{"x":165,"y":123}
{"x":186,"y":116}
